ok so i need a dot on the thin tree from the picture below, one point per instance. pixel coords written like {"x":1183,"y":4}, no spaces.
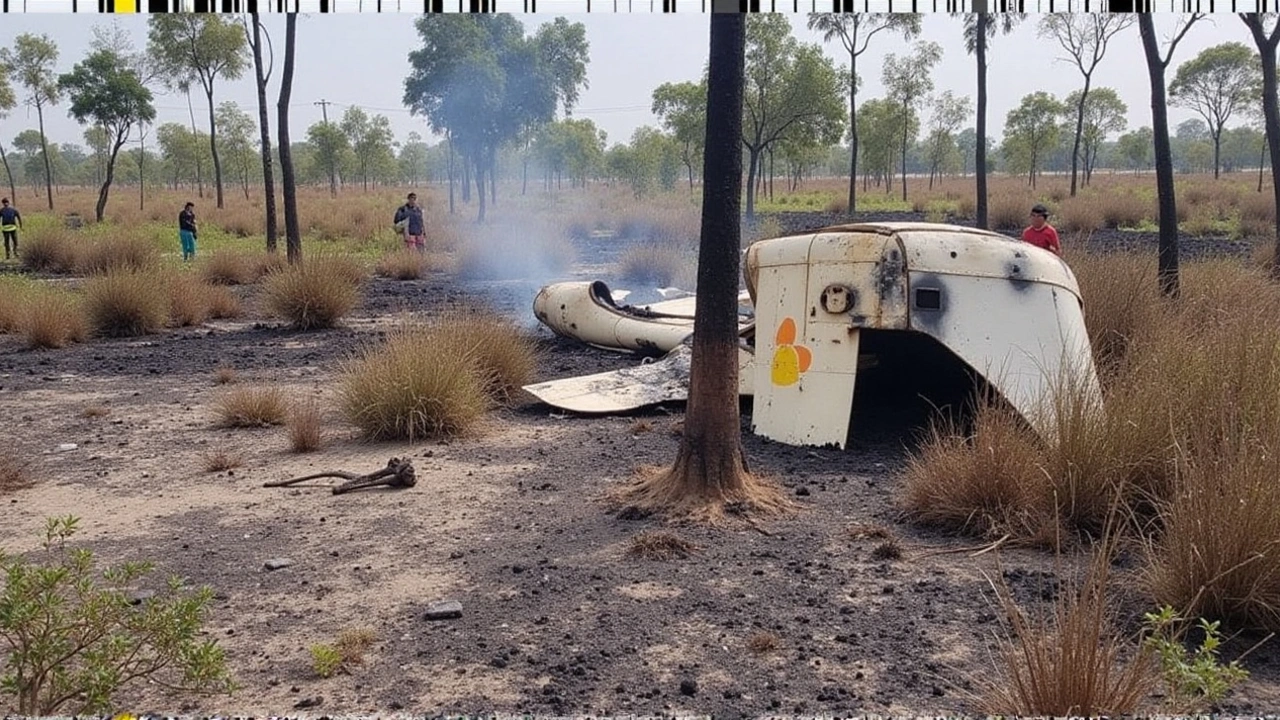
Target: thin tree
{"x":1215,"y":84}
{"x":32,"y":59}
{"x":979,"y":29}
{"x":7,"y":102}
{"x":908,"y":80}
{"x":855,"y":30}
{"x":1267,"y":41}
{"x":1157,"y":64}
{"x":710,"y":470}
{"x":1084,"y":36}
{"x":199,"y":48}
{"x":261,"y":77}
{"x":293,"y":236}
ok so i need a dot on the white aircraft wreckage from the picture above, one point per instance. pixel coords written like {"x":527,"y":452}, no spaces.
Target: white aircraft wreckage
{"x":918,"y":301}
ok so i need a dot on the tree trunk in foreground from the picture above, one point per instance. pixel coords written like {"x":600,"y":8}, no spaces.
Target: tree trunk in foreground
{"x":710,"y":470}
{"x":293,"y":236}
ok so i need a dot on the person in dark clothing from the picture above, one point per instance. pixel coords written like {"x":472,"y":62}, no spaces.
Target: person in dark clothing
{"x":187,"y":231}
{"x":10,"y":221}
{"x":409,"y":216}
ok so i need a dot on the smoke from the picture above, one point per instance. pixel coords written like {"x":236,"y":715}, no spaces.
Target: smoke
{"x":508,"y":260}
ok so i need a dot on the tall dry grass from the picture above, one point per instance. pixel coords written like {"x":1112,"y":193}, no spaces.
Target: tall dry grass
{"x":126,"y":303}
{"x":316,"y":294}
{"x":52,"y":318}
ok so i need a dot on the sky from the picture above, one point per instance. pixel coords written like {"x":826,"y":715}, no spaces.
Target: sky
{"x":362,"y":60}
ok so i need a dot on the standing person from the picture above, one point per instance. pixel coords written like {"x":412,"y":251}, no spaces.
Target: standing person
{"x":1040,"y":233}
{"x":187,"y":231}
{"x":410,"y":214}
{"x":10,"y":221}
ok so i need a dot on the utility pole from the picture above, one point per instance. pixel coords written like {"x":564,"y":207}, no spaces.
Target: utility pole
{"x":324,"y":109}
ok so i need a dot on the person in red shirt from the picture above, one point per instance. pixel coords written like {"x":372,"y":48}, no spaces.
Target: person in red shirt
{"x":1040,"y":233}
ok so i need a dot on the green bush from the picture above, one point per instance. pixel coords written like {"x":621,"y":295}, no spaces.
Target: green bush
{"x":71,"y":637}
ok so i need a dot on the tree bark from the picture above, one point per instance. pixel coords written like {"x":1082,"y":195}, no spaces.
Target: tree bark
{"x":213,"y":147}
{"x":293,"y":235}
{"x":753,"y":167}
{"x":264,"y":133}
{"x":905,"y":124}
{"x":980,"y":149}
{"x":100,"y":209}
{"x":1075,"y":146}
{"x":44,"y":150}
{"x":13,"y":188}
{"x":853,"y":131}
{"x":1167,"y":271}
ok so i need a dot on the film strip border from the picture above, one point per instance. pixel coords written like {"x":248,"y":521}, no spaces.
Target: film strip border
{"x":631,"y":6}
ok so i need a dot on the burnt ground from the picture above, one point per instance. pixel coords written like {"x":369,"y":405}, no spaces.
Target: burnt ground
{"x":557,"y":618}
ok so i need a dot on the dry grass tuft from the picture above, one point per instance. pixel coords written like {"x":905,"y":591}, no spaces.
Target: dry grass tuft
{"x":251,"y":407}
{"x":658,"y":264}
{"x":660,"y":545}
{"x":15,"y":294}
{"x":124,"y":303}
{"x":890,"y":549}
{"x":316,"y":294}
{"x":353,"y":643}
{"x":53,"y":319}
{"x":51,"y":250}
{"x":95,"y":411}
{"x":403,"y":264}
{"x":868,"y":531}
{"x":189,"y":300}
{"x":763,"y":643}
{"x":221,"y":461}
{"x":224,"y":375}
{"x":640,"y":426}
{"x":14,"y":473}
{"x":413,"y":386}
{"x":228,"y":267}
{"x":222,"y":302}
{"x":495,"y":347}
{"x":1071,"y":663}
{"x":306,"y":427}
{"x":127,"y":253}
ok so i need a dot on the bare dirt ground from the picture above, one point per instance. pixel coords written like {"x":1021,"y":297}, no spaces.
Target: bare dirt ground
{"x":557,"y":618}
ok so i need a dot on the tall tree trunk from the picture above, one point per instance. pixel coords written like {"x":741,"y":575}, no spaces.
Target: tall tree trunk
{"x":853,"y":131}
{"x":450,"y":142}
{"x":191,"y":110}
{"x":264,"y":133}
{"x":1272,"y":113}
{"x":478,"y":161}
{"x":213,"y":147}
{"x":44,"y":150}
{"x":904,"y":151}
{"x":1075,"y":146}
{"x":1167,"y":267}
{"x":142,"y":175}
{"x":753,"y":167}
{"x":466,"y":175}
{"x":1217,"y":152}
{"x":13,"y":188}
{"x":293,"y":235}
{"x":1262,"y":161}
{"x":980,"y":149}
{"x":100,"y":209}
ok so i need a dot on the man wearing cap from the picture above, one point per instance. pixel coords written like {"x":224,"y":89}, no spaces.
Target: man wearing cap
{"x":410,"y":216}
{"x":1040,"y":233}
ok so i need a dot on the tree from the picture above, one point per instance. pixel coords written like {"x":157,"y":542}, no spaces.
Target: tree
{"x":1030,"y":130}
{"x":908,"y":80}
{"x":331,"y":146}
{"x":236,"y":128}
{"x":1104,"y":113}
{"x":682,"y":107}
{"x":949,"y":113}
{"x":855,"y":30}
{"x":103,"y":90}
{"x":967,"y":145}
{"x":261,"y":76}
{"x":293,"y":235}
{"x":370,"y":140}
{"x":1216,"y":83}
{"x":479,"y":81}
{"x":1084,"y":37}
{"x":1136,"y":148}
{"x":31,"y":60}
{"x":979,"y":29}
{"x":710,"y":470}
{"x":791,"y":89}
{"x":7,"y":102}
{"x":1157,"y":64}
{"x":1267,"y":41}
{"x":199,"y":48}
{"x":413,"y":158}
{"x":882,"y":122}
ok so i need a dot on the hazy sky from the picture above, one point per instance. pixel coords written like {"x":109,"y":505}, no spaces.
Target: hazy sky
{"x":352,"y":59}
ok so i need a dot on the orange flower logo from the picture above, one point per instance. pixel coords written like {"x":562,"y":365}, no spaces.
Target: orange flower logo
{"x":790,"y":360}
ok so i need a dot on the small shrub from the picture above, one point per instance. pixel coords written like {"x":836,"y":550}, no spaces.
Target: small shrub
{"x":228,"y":267}
{"x":866,"y":531}
{"x":1080,"y":215}
{"x":221,"y":461}
{"x":1195,"y":680}
{"x":224,"y":375}
{"x":13,"y":474}
{"x":502,"y":355}
{"x":53,"y":319}
{"x":411,"y":387}
{"x":265,"y":264}
{"x":890,"y":549}
{"x":222,"y":302}
{"x":119,"y":253}
{"x":402,"y":265}
{"x":189,"y":301}
{"x":95,"y":411}
{"x":1123,"y":210}
{"x":313,"y":295}
{"x":52,"y":250}
{"x":763,"y":643}
{"x":306,"y":425}
{"x":124,"y":303}
{"x":659,"y":545}
{"x":15,"y":294}
{"x":1257,"y":215}
{"x":251,"y":407}
{"x":72,"y":636}
{"x":353,"y":643}
{"x":652,"y":264}
{"x":325,"y":660}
